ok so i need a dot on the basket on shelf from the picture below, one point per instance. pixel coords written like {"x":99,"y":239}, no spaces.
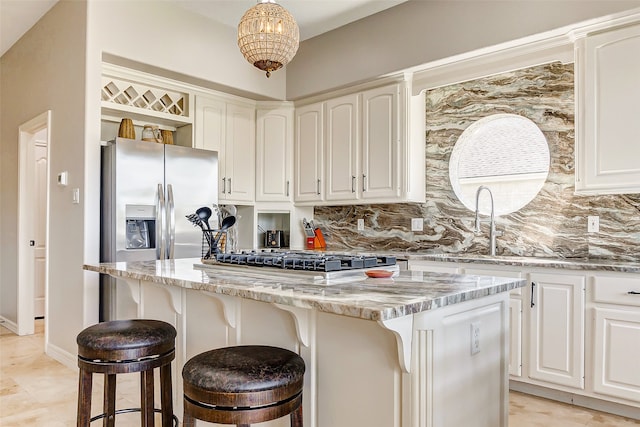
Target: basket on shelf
{"x":213,"y":242}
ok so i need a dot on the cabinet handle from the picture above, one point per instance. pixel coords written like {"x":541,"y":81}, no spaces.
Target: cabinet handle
{"x":224,"y":185}
{"x":318,"y":187}
{"x":353,"y":183}
{"x":287,"y":188}
{"x":229,"y":185}
{"x":364,"y":182}
{"x":533,"y":286}
{"x":633,"y":293}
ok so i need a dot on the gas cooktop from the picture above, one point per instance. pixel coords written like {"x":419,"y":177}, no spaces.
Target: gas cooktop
{"x":322,"y":265}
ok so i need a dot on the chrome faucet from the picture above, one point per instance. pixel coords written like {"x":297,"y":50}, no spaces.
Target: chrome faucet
{"x":492,"y":228}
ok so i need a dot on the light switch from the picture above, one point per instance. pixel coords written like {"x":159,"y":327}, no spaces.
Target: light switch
{"x":417,"y":224}
{"x":76,"y":196}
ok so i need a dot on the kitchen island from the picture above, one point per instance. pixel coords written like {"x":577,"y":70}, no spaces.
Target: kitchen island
{"x":415,"y":350}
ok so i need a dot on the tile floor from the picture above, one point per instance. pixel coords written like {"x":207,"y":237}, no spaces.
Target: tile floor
{"x":37,"y":391}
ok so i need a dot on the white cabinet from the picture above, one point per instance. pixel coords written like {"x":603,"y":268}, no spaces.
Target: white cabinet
{"x":365,"y":147}
{"x":556,"y":335}
{"x":308,"y":153}
{"x":229,"y":129}
{"x":608,"y":87}
{"x":274,"y":153}
{"x":616,"y":342}
{"x":342,"y":146}
{"x":380,"y":157}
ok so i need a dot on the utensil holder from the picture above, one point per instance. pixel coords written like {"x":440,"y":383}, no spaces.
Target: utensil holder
{"x":213,"y":242}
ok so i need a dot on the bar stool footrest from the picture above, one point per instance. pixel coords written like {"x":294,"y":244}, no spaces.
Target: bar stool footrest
{"x":130,"y":410}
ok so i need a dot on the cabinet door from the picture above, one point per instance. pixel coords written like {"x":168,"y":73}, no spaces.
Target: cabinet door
{"x":380,"y":155}
{"x":274,"y":145}
{"x":240,"y":168}
{"x":210,"y":130}
{"x":609,"y":78}
{"x":556,"y":341}
{"x":616,"y":350}
{"x":342,"y":139}
{"x":309,"y":153}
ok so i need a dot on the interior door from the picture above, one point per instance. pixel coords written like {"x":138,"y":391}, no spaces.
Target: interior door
{"x":40,"y":223}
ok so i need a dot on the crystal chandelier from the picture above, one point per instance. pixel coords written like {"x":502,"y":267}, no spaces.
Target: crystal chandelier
{"x":268,"y":36}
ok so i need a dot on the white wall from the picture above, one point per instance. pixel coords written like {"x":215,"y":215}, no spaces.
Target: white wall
{"x":44,"y":71}
{"x":418,"y":32}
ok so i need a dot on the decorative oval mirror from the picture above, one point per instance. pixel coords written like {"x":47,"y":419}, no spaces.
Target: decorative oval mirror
{"x":506,"y":153}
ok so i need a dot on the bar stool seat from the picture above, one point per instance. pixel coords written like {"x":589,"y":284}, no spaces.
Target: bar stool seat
{"x":243,"y":385}
{"x":125,"y":346}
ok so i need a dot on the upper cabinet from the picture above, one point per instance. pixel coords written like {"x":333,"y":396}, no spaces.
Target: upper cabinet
{"x":274,"y":153}
{"x":308,"y":154}
{"x":230,"y":129}
{"x":366,"y":147}
{"x":608,"y":87}
{"x":342,"y":140}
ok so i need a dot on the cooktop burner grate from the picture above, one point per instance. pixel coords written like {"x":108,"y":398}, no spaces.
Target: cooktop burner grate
{"x":304,"y":260}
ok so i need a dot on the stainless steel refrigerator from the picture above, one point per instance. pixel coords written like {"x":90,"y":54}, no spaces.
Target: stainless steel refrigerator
{"x":147,"y":189}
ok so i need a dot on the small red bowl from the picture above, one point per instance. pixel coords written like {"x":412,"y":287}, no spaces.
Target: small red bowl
{"x":378,"y":274}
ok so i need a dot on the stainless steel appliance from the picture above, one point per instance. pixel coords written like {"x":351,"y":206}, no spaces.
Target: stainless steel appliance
{"x":147,"y":190}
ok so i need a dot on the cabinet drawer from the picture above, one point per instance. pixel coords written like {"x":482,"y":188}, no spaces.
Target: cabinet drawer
{"x":617,"y":290}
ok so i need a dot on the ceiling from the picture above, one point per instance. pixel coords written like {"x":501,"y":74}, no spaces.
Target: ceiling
{"x":314,"y":17}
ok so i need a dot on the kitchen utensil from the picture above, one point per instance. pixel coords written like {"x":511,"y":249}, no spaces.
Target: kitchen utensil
{"x":126,"y":129}
{"x":204,"y":213}
{"x":226,"y":224}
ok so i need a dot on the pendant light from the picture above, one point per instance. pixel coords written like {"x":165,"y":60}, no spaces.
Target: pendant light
{"x":268,"y":36}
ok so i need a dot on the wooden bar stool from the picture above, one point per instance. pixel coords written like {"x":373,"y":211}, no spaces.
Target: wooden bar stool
{"x":243,"y":385}
{"x":124,"y":346}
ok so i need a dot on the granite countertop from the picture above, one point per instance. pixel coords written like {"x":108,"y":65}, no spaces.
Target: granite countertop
{"x":406,"y":293}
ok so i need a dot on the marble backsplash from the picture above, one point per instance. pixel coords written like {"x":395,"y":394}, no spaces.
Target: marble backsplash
{"x":553,"y":225}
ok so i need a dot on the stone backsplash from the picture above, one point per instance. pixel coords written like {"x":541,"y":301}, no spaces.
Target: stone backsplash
{"x":553,"y":225}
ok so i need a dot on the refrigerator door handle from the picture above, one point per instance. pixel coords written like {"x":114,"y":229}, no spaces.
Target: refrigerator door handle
{"x":172,"y":222}
{"x":161,"y":249}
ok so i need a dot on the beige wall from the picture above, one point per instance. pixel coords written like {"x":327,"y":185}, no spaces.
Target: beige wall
{"x":45,"y":71}
{"x":418,"y":32}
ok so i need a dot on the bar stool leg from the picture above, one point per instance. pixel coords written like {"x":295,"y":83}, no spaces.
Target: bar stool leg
{"x":166,"y":396}
{"x":85,"y":383}
{"x":296,"y":417}
{"x":187,"y":419}
{"x":146,"y":398}
{"x":109,"y":397}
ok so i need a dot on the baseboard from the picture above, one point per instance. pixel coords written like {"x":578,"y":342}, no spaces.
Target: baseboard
{"x":620,"y":409}
{"x":67,"y":359}
{"x":12,"y":326}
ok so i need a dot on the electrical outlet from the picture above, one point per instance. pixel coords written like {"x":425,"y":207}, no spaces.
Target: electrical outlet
{"x":475,"y":337}
{"x":360,"y":224}
{"x":417,"y":224}
{"x":593,"y":224}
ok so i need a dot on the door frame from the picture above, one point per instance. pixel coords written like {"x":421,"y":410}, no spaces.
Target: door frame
{"x":26,"y":207}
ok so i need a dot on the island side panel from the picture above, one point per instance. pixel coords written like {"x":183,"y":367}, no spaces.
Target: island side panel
{"x":359,"y":375}
{"x":463,"y":384}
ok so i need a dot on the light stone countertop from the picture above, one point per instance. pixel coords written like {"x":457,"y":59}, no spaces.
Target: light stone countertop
{"x":408,"y":292}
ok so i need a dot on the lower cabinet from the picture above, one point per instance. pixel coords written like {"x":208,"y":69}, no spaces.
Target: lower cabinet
{"x":615,"y":312}
{"x":556,"y":329}
{"x":573,"y":333}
